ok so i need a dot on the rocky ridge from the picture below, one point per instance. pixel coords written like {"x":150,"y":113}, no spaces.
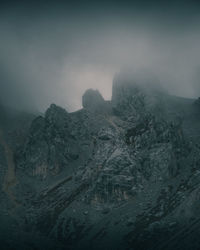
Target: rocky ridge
{"x":122,"y":174}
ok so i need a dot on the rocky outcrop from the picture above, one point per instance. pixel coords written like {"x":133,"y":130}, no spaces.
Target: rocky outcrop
{"x":122,"y":167}
{"x":93,"y":101}
{"x":50,"y":146}
{"x":116,"y":152}
{"x":133,"y":98}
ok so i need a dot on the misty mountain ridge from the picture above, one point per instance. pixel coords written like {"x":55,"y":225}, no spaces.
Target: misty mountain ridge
{"x":118,"y":174}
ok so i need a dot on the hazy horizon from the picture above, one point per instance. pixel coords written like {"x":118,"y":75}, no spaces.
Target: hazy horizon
{"x":52,"y":52}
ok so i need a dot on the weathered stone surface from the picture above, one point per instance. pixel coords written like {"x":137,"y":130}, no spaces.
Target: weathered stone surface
{"x":124,"y":168}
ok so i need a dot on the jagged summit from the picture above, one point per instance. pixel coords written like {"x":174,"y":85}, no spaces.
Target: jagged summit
{"x":56,"y":115}
{"x":54,"y":110}
{"x":93,"y":101}
{"x":136,"y":94}
{"x":84,"y":176}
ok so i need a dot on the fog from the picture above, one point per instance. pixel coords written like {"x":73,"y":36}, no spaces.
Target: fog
{"x":52,"y":53}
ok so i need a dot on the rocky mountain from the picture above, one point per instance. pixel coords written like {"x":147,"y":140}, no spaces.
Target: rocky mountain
{"x":119,"y":174}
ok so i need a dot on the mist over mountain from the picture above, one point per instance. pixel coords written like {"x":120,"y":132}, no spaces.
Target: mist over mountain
{"x":99,"y":125}
{"x":122,"y":173}
{"x":53,"y":52}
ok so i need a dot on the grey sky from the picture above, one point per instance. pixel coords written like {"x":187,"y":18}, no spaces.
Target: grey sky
{"x":53,"y":53}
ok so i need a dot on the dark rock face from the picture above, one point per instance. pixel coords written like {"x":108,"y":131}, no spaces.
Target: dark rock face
{"x":91,"y":99}
{"x":133,"y":99}
{"x":50,"y":145}
{"x":94,"y":102}
{"x":124,"y":168}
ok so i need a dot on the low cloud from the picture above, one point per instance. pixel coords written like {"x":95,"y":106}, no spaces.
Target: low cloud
{"x":55,"y":54}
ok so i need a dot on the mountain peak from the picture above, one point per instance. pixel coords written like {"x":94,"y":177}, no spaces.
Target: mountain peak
{"x":91,"y":99}
{"x":136,"y":94}
{"x":56,"y":114}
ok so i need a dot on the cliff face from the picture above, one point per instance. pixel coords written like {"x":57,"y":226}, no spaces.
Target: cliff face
{"x":118,"y":174}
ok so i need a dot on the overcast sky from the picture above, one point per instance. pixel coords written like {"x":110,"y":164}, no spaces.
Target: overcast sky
{"x":52,"y":52}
